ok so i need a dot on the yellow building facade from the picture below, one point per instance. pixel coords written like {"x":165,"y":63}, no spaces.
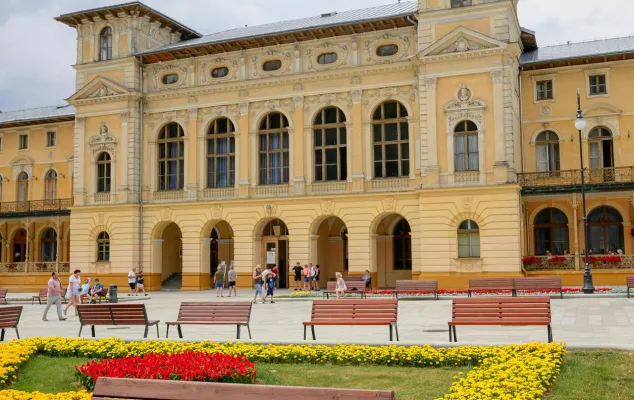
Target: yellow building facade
{"x":401,"y":139}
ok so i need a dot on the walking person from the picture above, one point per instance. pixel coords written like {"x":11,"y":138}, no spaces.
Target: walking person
{"x":306,"y":273}
{"x":231,"y":277}
{"x":297,"y":271}
{"x":316,"y":277}
{"x":312,"y":276}
{"x":270,"y":279}
{"x":258,"y":281}
{"x":276,"y":272}
{"x":54,"y":296}
{"x":341,"y":288}
{"x":132,"y":281}
{"x":73,"y":291}
{"x":140,"y":288}
{"x":219,"y":281}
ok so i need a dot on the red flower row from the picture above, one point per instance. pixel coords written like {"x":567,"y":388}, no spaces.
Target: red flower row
{"x":188,"y":366}
{"x":450,"y":292}
{"x":603,"y":259}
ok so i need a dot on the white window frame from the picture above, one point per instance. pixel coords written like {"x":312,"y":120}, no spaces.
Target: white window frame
{"x":47,"y":132}
{"x":593,"y":72}
{"x":540,"y":78}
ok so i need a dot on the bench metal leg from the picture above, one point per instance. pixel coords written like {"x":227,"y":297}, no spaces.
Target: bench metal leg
{"x":513,"y":293}
{"x":390,"y":332}
{"x":549,"y":329}
{"x":249,"y":330}
{"x":304,"y":332}
{"x":628,"y":292}
{"x":561,"y":293}
{"x":92,"y":330}
{"x":327,"y":296}
{"x":17,"y":333}
{"x":238,"y":337}
{"x":468,"y":293}
{"x":396,"y":331}
{"x":450,"y":337}
{"x":167,"y":332}
{"x":145,"y":333}
{"x":180,"y":332}
{"x":455,"y":337}
{"x":80,"y":329}
{"x":2,"y":335}
{"x":312,"y":330}
{"x":157,"y":331}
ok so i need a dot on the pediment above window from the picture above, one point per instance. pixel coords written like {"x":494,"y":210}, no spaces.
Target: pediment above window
{"x":98,"y":90}
{"x":464,"y":100}
{"x":462,"y":42}
{"x":102,"y":141}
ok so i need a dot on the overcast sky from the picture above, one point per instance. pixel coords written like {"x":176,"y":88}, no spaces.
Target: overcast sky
{"x":36,"y":52}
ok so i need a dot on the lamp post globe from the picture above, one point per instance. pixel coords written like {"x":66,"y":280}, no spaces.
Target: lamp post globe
{"x":580,"y":122}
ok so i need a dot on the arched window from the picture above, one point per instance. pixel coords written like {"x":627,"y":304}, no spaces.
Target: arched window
{"x":104,"y":173}
{"x":601,"y":151}
{"x":171,"y":157}
{"x":547,"y":144}
{"x":105,"y":44}
{"x":50,"y":186}
{"x":466,"y":147}
{"x":330,"y":145}
{"x":391,"y":140}
{"x":277,"y":227}
{"x":274,"y":153}
{"x":402,"y":243}
{"x":48,"y":245}
{"x":23,"y":188}
{"x":221,"y":154}
{"x":103,"y":247}
{"x":468,"y":239}
{"x":605,"y":228}
{"x":551,"y":232}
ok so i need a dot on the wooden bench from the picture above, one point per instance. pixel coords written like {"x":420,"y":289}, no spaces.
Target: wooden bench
{"x":88,"y":297}
{"x":3,"y":295}
{"x":417,"y":286}
{"x":114,"y":314}
{"x":144,"y":389}
{"x":354,"y":287}
{"x":43,"y":295}
{"x":629,"y":282}
{"x":491,"y":284}
{"x":539,"y":283}
{"x":218,"y":313}
{"x":9,"y":318}
{"x":353,"y":312}
{"x":503,"y":311}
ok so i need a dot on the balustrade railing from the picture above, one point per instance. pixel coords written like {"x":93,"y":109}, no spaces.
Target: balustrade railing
{"x":36,"y":205}
{"x":272,"y":190}
{"x":218,"y":194}
{"x":329,"y":187}
{"x":169,"y":195}
{"x":573,"y":177}
{"x":561,"y":263}
{"x":466,"y":177}
{"x":13,"y":267}
{"x":389,"y":184}
{"x":37,"y":266}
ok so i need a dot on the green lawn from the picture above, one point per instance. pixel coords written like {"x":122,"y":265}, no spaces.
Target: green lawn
{"x":586,"y":375}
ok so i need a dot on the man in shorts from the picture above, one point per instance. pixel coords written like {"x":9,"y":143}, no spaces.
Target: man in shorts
{"x":132,"y":281}
{"x":219,"y":281}
{"x":306,"y":273}
{"x":297,"y":270}
{"x":269,"y":278}
{"x":232,"y":276}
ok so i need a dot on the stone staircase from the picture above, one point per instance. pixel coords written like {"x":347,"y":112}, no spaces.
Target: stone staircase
{"x":173,"y":283}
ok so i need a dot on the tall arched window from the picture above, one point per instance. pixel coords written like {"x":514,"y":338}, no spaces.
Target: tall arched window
{"x":605,"y":228}
{"x":105,"y":44}
{"x":468,"y":239}
{"x":50,"y":186}
{"x":104,"y":173}
{"x":48,"y":245}
{"x":103,"y":247}
{"x":466,"y":147}
{"x":551,"y":232}
{"x":329,"y":131}
{"x":390,"y":132}
{"x":402,"y":242}
{"x":171,"y":157}
{"x":547,"y":145}
{"x":221,"y":157}
{"x":274,"y":156}
{"x":601,"y":150}
{"x":23,"y":188}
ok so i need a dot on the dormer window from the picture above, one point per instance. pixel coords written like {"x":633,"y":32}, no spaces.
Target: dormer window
{"x":460,"y":3}
{"x":327,"y":58}
{"x":170,"y":79}
{"x":220,"y":72}
{"x":387,"y":50}
{"x":105,"y":44}
{"x":272,"y":65}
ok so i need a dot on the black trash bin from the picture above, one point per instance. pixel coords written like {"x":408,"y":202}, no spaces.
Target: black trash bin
{"x":112,"y":292}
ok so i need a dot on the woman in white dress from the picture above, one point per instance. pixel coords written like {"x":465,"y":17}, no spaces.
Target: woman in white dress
{"x":74,"y":291}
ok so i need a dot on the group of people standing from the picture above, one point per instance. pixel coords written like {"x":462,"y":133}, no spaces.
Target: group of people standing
{"x":309,"y":274}
{"x":219,"y":281}
{"x":73,"y":292}
{"x":136,"y":283}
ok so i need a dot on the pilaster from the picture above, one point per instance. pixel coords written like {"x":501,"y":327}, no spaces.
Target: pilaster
{"x":500,"y":167}
{"x":430,"y":137}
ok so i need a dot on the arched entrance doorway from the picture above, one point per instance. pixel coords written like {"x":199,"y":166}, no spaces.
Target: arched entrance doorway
{"x":169,"y":256}
{"x":48,"y":245}
{"x":220,"y":238}
{"x":274,"y":249}
{"x":392,"y":250}
{"x":19,"y":246}
{"x":329,"y":248}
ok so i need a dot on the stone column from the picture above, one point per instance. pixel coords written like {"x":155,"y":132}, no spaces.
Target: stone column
{"x":296,"y":143}
{"x":356,"y":142}
{"x":192,"y":177}
{"x":79,"y":161}
{"x":157,"y":257}
{"x":58,"y":244}
{"x":500,"y":167}
{"x":123,"y":185}
{"x":243,"y":157}
{"x":431,"y":168}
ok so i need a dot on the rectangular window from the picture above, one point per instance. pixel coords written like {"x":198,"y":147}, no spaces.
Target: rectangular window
{"x":598,"y":85}
{"x":544,"y":90}
{"x":23,"y":142}
{"x":460,"y":3}
{"x":51,"y":139}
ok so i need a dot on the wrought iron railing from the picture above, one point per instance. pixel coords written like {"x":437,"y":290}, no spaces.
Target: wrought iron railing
{"x":561,"y":263}
{"x":37,"y":266}
{"x":36,"y":205}
{"x":573,"y":177}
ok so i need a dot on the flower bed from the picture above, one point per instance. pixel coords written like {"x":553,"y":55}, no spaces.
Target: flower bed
{"x":505,"y":372}
{"x":187,"y":366}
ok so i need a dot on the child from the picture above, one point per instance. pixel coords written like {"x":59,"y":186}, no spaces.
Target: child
{"x":341,"y":286}
{"x":270,"y":279}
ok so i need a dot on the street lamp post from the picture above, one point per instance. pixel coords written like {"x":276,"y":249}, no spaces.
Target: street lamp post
{"x":580,"y":124}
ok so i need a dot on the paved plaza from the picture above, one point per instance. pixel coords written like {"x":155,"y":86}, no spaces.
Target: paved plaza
{"x":596,"y":322}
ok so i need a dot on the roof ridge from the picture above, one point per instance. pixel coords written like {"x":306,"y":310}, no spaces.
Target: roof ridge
{"x":588,"y":41}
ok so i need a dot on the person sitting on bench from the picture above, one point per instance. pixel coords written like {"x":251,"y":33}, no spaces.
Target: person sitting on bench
{"x":97,"y":291}
{"x":341,"y":286}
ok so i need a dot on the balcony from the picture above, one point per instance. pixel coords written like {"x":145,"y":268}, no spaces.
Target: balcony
{"x":30,"y":267}
{"x":218,"y":194}
{"x":567,"y":263}
{"x":570,"y":180}
{"x":40,"y":206}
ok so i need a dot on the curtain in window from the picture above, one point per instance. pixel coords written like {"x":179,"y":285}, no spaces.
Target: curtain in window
{"x":542,"y":158}
{"x":460,"y":150}
{"x":473,"y":153}
{"x":595,"y":155}
{"x":223,"y":163}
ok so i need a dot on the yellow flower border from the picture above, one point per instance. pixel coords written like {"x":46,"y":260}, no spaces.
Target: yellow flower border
{"x":518,"y":372}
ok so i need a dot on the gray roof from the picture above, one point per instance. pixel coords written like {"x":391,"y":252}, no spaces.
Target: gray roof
{"x":35,"y":114}
{"x":576,"y":50}
{"x":322,"y":21}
